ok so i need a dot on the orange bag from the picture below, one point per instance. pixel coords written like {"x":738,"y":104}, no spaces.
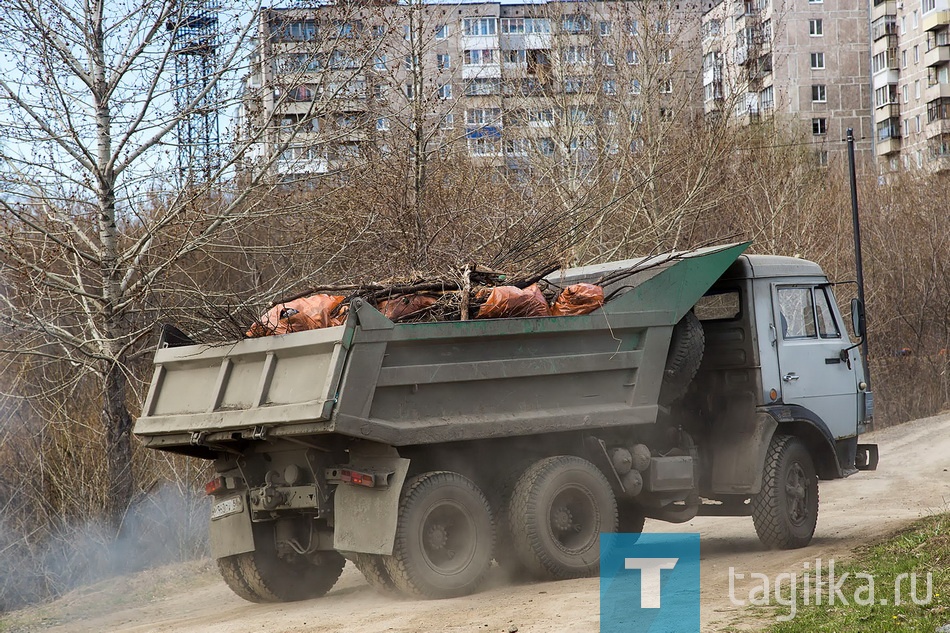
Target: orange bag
{"x":578,"y":299}
{"x":510,"y":301}
{"x":405,"y":306}
{"x":308,"y":313}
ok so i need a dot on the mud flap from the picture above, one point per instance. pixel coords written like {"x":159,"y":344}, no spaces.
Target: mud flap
{"x":867,"y":457}
{"x":364,"y":519}
{"x":740,"y":444}
{"x":232,"y":533}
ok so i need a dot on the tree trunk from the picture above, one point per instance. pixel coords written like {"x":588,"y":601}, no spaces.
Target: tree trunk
{"x":117,"y":422}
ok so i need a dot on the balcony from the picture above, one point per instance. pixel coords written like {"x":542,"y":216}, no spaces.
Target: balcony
{"x":888,"y":146}
{"x":937,"y":128}
{"x":937,"y":55}
{"x":889,"y":111}
{"x":936,"y":91}
{"x":880,"y":9}
{"x":936,"y":19}
{"x":482,"y":71}
{"x":885,"y":77}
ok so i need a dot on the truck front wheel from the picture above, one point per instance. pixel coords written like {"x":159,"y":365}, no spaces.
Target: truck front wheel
{"x":445,"y":537}
{"x":559,"y":507}
{"x":785,"y":512}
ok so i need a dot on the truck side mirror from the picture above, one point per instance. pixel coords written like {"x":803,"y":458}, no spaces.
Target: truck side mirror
{"x":858,"y":320}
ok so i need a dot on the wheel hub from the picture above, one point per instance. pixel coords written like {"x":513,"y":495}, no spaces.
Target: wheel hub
{"x":562,"y":519}
{"x":437,"y":537}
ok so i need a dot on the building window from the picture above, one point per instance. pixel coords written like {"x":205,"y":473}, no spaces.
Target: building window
{"x":904,"y":58}
{"x":929,"y":5}
{"x":604,"y":29}
{"x":821,"y":157}
{"x":541,"y":118}
{"x":573,"y":85}
{"x":448,"y":121}
{"x":444,"y":91}
{"x":917,"y":123}
{"x":663,"y":26}
{"x":441,"y":32}
{"x":481,"y":86}
{"x":479,"y":57}
{"x":546,"y":146}
{"x":607,"y":58}
{"x":666,"y":56}
{"x":516,"y":56}
{"x":443,"y":61}
{"x":915,"y":22}
{"x":577,"y":54}
{"x":300,"y":30}
{"x":410,"y":91}
{"x":666,"y":86}
{"x":633,"y":27}
{"x":537,"y":25}
{"x":635,"y":87}
{"x":819,"y":127}
{"x":610,"y":87}
{"x":917,"y":89}
{"x":904,"y":93}
{"x":379,"y":63}
{"x":817,"y":61}
{"x":514,"y":26}
{"x":815,"y":28}
{"x":632,"y":57}
{"x":575,"y":23}
{"x":482,"y":116}
{"x":767,"y":99}
{"x":382,"y":124}
{"x":916,"y":54}
{"x":379,"y":31}
{"x":818,"y":93}
{"x":479,"y":26}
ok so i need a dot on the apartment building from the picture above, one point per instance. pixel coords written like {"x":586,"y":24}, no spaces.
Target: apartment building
{"x":803,"y":64}
{"x":509,"y":84}
{"x":911,"y":79}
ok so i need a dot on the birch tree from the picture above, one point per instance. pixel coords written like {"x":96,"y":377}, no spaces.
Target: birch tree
{"x":95,"y":218}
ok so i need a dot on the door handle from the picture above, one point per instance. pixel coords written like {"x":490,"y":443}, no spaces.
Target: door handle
{"x":790,"y":377}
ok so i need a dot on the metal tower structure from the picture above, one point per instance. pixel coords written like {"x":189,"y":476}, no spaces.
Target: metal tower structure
{"x":195,"y":45}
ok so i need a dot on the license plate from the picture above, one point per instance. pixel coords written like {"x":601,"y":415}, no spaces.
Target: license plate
{"x":227,"y":507}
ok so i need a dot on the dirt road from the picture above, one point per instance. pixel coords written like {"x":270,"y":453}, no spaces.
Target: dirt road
{"x":912,"y":481}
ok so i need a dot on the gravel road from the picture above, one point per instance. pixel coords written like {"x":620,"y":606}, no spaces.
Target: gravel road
{"x":912,"y":481}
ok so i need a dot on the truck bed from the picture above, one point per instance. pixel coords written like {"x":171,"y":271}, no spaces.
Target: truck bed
{"x":418,"y":383}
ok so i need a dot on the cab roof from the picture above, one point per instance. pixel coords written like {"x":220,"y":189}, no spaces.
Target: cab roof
{"x":758,"y":266}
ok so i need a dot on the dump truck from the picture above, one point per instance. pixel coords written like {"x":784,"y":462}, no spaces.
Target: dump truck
{"x":712,"y":382}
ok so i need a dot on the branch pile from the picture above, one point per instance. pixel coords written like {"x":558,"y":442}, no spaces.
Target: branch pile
{"x":474,"y":292}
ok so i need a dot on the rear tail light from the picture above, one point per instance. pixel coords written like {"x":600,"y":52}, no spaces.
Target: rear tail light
{"x":357,"y":478}
{"x":215,"y":486}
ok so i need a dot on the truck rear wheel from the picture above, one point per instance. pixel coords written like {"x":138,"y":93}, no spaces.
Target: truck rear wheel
{"x":785,"y":512}
{"x":264,"y":576}
{"x":559,"y":507}
{"x":445,"y":537}
{"x":373,"y":568}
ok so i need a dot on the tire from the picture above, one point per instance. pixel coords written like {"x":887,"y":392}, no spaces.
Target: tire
{"x":445,"y":537}
{"x":230,"y":569}
{"x":559,"y":507}
{"x":263,"y":576}
{"x":683,"y":360}
{"x":373,"y":568}
{"x":500,"y":498}
{"x":785,"y":511}
{"x":632,"y":518}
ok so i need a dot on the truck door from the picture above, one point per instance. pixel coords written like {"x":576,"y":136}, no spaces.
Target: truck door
{"x":810,"y":341}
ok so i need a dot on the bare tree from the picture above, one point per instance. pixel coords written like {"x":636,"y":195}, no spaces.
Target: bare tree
{"x":95,"y":219}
